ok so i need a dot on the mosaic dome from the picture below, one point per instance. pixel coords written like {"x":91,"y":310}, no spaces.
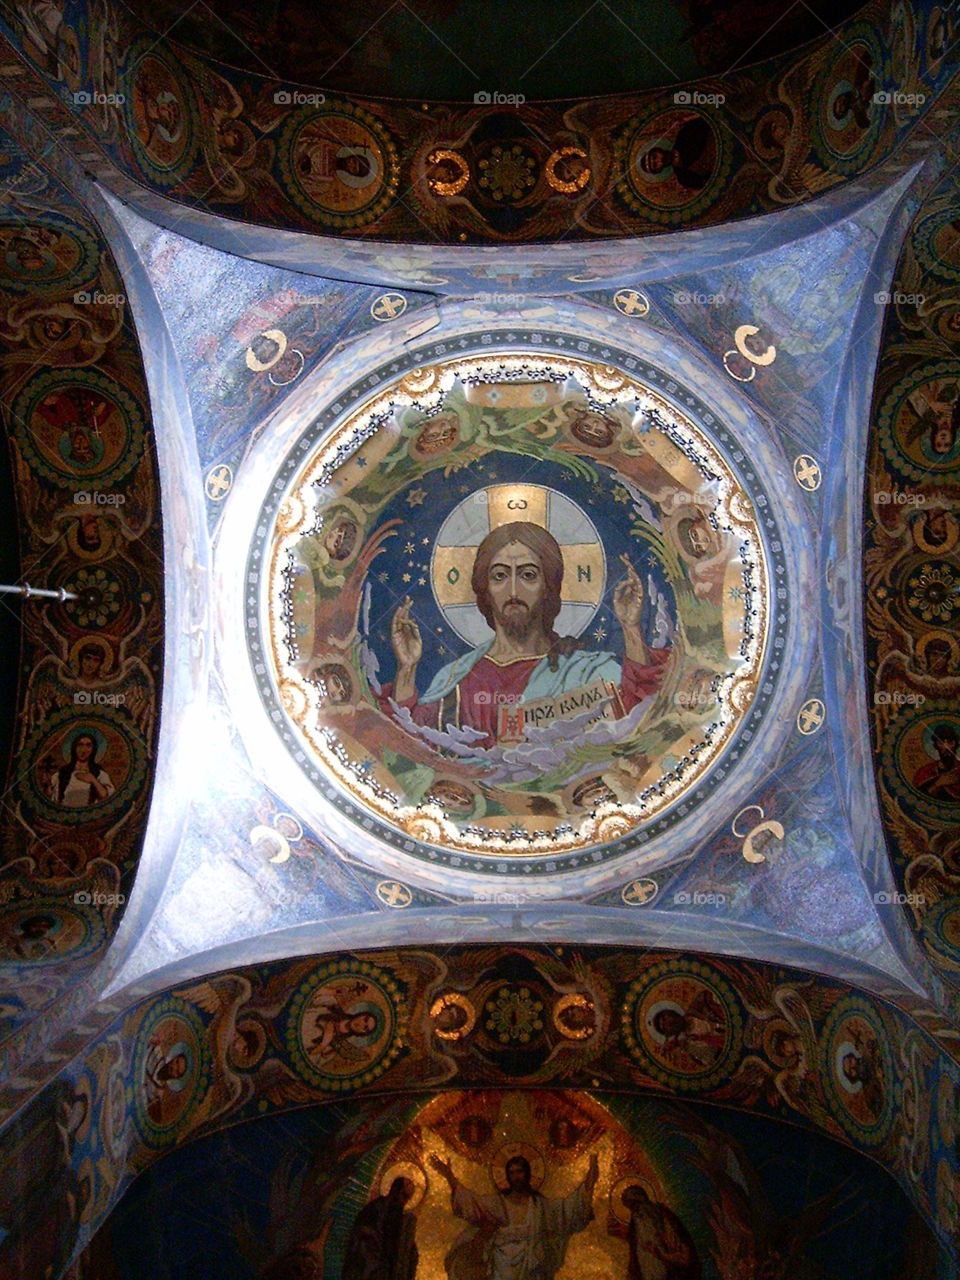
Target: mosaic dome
{"x":515,"y":607}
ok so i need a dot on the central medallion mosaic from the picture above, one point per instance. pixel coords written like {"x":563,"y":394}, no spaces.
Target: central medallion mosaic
{"x":516,"y":607}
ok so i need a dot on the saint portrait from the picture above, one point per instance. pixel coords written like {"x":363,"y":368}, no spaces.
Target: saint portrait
{"x":660,"y":1245}
{"x":159,"y":113}
{"x":44,"y":257}
{"x":691,"y":1035}
{"x":341,"y":538}
{"x":860,"y":1073}
{"x":78,"y":424}
{"x":345,"y":1027}
{"x":940,"y":776}
{"x":673,"y":161}
{"x":82,"y":780}
{"x":170,"y":1069}
{"x":852,"y":97}
{"x":436,"y":436}
{"x":166,"y":1072}
{"x":334,"y":682}
{"x":687,"y":157}
{"x":920,"y":421}
{"x":382,"y":1241}
{"x":683,"y":1024}
{"x":593,"y":429}
{"x":338,"y":162}
{"x":35,"y":936}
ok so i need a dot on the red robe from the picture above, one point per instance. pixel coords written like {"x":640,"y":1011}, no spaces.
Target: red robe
{"x":488,"y":687}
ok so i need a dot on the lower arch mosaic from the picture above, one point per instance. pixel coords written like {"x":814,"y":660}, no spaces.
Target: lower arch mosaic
{"x":516,"y":607}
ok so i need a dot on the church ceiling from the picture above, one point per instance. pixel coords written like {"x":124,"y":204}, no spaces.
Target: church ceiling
{"x":713,"y":803}
{"x":517,"y":597}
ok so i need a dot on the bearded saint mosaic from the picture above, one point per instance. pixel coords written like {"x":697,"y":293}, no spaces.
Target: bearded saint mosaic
{"x":515,"y":606}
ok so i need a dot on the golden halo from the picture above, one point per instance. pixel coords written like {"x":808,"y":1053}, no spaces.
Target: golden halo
{"x":479,"y":513}
{"x":94,"y":642}
{"x":934,"y":548}
{"x":106,"y":528}
{"x":578,"y":1000}
{"x":572,"y":185}
{"x":617,"y":1207}
{"x":412,"y":1172}
{"x":455,"y":185}
{"x":454,"y":998}
{"x":502,"y":1157}
{"x":943,"y":637}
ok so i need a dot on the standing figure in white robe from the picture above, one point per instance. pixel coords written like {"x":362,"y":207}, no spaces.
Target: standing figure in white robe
{"x":516,"y":1234}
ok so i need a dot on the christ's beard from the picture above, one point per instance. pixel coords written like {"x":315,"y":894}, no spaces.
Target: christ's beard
{"x":517,"y":620}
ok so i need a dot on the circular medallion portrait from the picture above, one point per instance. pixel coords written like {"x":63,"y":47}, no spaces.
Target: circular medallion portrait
{"x":920,"y":421}
{"x":171,"y":1070}
{"x":921,"y":761}
{"x":78,"y":428}
{"x":858,"y":1071}
{"x":850,"y":111}
{"x":339,"y":164}
{"x":345,"y":1025}
{"x":42,"y":931}
{"x":682,"y":1021}
{"x":82,"y":766}
{"x":673,"y":163}
{"x":482,"y":645}
{"x":162,"y":130}
{"x":55,"y":255}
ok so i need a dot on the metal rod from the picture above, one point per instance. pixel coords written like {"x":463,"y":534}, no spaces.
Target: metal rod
{"x":28,"y":592}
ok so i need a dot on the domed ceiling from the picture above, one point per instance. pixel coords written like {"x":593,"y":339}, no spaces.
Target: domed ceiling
{"x":645,"y":725}
{"x":479,"y":486}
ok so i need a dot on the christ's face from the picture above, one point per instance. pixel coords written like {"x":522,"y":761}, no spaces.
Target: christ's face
{"x":517,"y":1176}
{"x":516,"y":586}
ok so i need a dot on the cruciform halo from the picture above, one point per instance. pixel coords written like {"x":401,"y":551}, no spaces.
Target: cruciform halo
{"x":455,"y":549}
